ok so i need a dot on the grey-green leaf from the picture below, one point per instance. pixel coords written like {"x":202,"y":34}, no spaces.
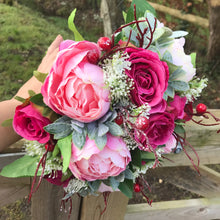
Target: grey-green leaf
{"x":179,"y":85}
{"x":92,"y":130}
{"x":102,"y":129}
{"x":101,"y":141}
{"x":78,"y":139}
{"x":114,"y":183}
{"x":114,"y":129}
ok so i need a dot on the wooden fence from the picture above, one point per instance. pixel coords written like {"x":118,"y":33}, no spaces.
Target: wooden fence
{"x":46,"y":201}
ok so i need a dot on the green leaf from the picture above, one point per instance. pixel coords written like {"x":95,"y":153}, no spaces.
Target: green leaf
{"x":72,"y":26}
{"x":147,"y":155}
{"x":79,"y":139}
{"x":66,"y":176}
{"x":56,"y":151}
{"x":101,"y":141}
{"x":179,"y":129}
{"x":31,"y":93}
{"x":193,"y":59}
{"x":136,"y":157}
{"x":20,"y":99}
{"x":114,"y":128}
{"x":46,"y":111}
{"x":38,"y":100}
{"x":126,"y":187}
{"x":24,"y":166}
{"x":7,"y":122}
{"x":40,"y":76}
{"x":124,"y":14}
{"x":141,"y":7}
{"x":64,"y":145}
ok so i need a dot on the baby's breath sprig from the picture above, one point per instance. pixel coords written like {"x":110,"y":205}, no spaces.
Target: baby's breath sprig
{"x":196,"y":87}
{"x":117,"y":80}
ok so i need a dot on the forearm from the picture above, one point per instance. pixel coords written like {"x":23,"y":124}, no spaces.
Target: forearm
{"x":7,"y":134}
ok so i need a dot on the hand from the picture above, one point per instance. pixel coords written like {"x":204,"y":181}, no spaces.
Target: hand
{"x":50,"y":56}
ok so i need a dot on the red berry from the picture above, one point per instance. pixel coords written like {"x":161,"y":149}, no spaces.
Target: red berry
{"x":142,"y":123}
{"x":93,"y":56}
{"x":104,"y":43}
{"x":201,"y":108}
{"x":119,"y":120}
{"x":137,"y":187}
{"x":49,"y":147}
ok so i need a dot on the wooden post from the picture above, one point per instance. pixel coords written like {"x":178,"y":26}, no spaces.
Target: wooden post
{"x":93,"y":206}
{"x":46,"y":204}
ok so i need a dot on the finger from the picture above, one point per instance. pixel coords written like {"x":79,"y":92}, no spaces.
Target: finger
{"x":55,"y":44}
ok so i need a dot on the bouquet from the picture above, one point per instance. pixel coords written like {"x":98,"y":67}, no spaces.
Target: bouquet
{"x":109,"y":111}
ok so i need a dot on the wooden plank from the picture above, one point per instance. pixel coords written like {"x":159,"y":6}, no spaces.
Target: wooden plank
{"x":193,"y":209}
{"x":12,"y":189}
{"x":46,"y":203}
{"x":93,"y":206}
{"x":8,"y":158}
{"x":207,"y":155}
{"x":204,"y":139}
{"x":206,"y":185}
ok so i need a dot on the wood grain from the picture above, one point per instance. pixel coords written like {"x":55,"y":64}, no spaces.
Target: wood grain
{"x":193,"y":209}
{"x":46,"y":203}
{"x":13,"y":189}
{"x":93,"y":206}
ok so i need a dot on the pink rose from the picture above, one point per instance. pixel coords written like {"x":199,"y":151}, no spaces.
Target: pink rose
{"x":75,"y":86}
{"x":29,"y":124}
{"x":150,"y":76}
{"x":176,"y":107}
{"x":161,"y":127}
{"x":91,"y":164}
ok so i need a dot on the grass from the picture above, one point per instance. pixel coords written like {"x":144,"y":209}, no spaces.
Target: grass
{"x":25,"y":36}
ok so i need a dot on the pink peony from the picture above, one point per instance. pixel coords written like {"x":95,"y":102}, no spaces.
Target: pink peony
{"x":29,"y":124}
{"x":75,"y":85}
{"x":150,"y":76}
{"x":176,"y":107}
{"x":91,"y":164}
{"x":161,"y":127}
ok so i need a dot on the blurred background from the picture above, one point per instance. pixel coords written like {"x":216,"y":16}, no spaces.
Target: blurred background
{"x":27,"y":27}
